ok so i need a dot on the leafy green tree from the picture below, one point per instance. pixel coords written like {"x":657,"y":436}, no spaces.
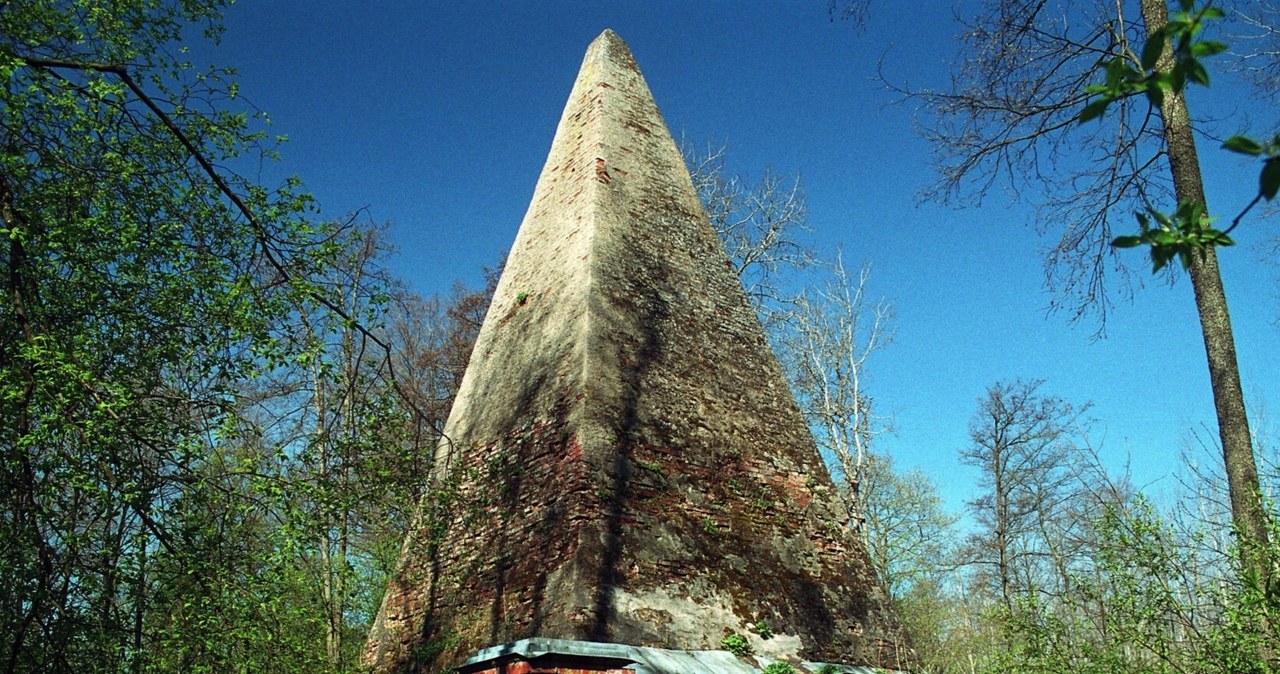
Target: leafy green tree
{"x":142,"y":288}
{"x":1142,"y":607}
{"x":910,"y":537}
{"x":348,"y":407}
{"x":951,"y":627}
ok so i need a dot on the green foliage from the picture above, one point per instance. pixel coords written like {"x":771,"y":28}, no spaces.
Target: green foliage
{"x":1185,"y":231}
{"x":1269,"y":152}
{"x":779,"y":668}
{"x":828,"y":669}
{"x":1140,"y":610}
{"x":1178,"y":235}
{"x":897,"y":507}
{"x":428,"y":651}
{"x":650,"y":466}
{"x":1125,"y":78}
{"x":1246,"y":635}
{"x":763,"y":629}
{"x":161,"y":512}
{"x":1111,"y":585}
{"x":736,"y":644}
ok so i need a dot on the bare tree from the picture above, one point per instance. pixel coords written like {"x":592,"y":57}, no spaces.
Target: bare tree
{"x":826,"y":340}
{"x":1259,"y":40}
{"x":759,"y":224}
{"x":1008,"y":119}
{"x":1024,"y":444}
{"x":433,"y":338}
{"x":849,"y":10}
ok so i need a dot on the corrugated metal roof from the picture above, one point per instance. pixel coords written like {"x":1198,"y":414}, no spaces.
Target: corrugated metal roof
{"x":645,"y":660}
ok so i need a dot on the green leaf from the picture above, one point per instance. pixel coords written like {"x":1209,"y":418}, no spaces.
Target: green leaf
{"x":1197,"y":73}
{"x":1127,"y":241}
{"x":1165,"y":221}
{"x":1094,"y":109}
{"x":1189,"y":215}
{"x":1167,"y":80}
{"x":1269,"y":181}
{"x":1159,"y":258}
{"x":1155,"y":95}
{"x":1243,"y":145}
{"x":1207,"y":48}
{"x":1219,"y":239}
{"x":1151,"y":50}
{"x":1116,"y":70}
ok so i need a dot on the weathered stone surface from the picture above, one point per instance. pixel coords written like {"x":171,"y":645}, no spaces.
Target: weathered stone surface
{"x":624,"y":462}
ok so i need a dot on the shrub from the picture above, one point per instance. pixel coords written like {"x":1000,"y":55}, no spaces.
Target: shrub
{"x":762,"y":628}
{"x":736,"y":644}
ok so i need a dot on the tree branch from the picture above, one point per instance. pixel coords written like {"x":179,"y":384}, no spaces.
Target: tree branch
{"x":260,"y":232}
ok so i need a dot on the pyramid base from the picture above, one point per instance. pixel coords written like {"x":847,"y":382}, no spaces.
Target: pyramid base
{"x":563,"y":656}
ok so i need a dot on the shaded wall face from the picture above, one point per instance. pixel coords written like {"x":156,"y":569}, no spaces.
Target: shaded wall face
{"x":726,"y":515}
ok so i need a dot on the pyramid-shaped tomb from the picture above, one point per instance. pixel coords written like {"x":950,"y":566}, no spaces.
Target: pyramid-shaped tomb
{"x":624,"y":462}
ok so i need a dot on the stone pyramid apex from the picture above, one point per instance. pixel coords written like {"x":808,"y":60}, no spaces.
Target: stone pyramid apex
{"x":624,"y":462}
{"x":611,"y":38}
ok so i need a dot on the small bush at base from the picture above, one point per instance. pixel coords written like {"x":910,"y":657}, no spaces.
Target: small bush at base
{"x":736,"y":644}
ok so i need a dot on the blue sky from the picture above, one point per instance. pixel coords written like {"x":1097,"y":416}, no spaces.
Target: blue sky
{"x":437,"y":117}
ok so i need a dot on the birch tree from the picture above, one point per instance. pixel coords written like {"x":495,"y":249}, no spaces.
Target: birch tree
{"x":828,"y":336}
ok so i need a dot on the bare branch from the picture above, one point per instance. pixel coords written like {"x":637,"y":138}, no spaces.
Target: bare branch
{"x":760,"y":225}
{"x":1008,"y":121}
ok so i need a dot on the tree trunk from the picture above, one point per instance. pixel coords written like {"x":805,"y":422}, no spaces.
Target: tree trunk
{"x":139,"y":608}
{"x":329,"y":594}
{"x":999,"y":486}
{"x":1215,"y":323}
